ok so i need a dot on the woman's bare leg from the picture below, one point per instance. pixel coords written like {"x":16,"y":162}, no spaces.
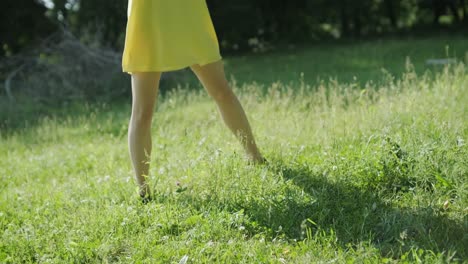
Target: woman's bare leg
{"x":145,"y":88}
{"x":213,"y":78}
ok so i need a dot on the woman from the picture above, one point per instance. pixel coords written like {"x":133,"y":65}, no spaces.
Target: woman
{"x":166,"y":35}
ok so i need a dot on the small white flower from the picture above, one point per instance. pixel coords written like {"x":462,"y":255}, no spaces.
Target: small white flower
{"x":183,"y":260}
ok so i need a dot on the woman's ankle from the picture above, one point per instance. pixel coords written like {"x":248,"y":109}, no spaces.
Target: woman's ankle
{"x":256,"y":158}
{"x":144,"y":190}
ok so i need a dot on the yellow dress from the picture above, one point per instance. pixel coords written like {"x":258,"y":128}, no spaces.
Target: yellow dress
{"x":166,"y":35}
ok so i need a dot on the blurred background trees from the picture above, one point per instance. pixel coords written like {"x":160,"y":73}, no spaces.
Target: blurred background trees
{"x":240,"y":24}
{"x":21,"y":23}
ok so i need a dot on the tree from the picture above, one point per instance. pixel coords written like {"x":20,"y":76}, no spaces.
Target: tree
{"x":22,"y":22}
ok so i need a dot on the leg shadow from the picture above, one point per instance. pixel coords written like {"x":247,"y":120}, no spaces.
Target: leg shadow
{"x":354,"y":214}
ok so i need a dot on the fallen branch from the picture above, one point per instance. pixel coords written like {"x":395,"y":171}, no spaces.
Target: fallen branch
{"x":9,"y":79}
{"x":62,"y":67}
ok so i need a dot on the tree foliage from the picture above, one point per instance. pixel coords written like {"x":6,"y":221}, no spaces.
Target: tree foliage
{"x":236,"y":21}
{"x":22,"y":22}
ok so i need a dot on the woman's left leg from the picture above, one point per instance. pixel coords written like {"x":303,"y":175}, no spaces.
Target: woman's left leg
{"x":213,"y":78}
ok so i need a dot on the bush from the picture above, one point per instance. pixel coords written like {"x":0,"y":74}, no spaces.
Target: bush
{"x":63,"y":68}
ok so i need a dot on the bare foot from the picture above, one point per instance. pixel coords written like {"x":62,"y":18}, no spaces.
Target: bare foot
{"x":145,"y":194}
{"x":257,"y":160}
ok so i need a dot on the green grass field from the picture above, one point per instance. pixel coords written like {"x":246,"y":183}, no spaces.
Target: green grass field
{"x":356,"y":61}
{"x":358,"y":173}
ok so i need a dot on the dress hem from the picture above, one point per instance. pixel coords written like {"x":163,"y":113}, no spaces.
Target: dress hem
{"x":170,"y":68}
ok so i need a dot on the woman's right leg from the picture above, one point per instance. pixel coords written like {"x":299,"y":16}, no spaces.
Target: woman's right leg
{"x":214,"y":80}
{"x":145,"y":87}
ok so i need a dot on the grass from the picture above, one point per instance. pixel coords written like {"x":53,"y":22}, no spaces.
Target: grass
{"x":353,"y":61}
{"x":358,"y":173}
{"x":357,"y":62}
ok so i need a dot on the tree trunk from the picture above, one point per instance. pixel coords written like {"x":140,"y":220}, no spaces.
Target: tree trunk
{"x":463,"y":5}
{"x":344,"y":22}
{"x":391,"y":13}
{"x":357,"y":23}
{"x":453,"y":6}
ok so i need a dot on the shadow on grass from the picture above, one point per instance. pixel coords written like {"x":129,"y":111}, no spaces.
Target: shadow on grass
{"x":355,"y":215}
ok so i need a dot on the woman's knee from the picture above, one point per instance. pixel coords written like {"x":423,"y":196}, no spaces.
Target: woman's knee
{"x":214,"y":80}
{"x":142,"y":116}
{"x":145,"y":87}
{"x":222,"y":93}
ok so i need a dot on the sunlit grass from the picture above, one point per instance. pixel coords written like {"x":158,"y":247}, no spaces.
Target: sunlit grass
{"x":364,"y":174}
{"x":362,"y":60}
